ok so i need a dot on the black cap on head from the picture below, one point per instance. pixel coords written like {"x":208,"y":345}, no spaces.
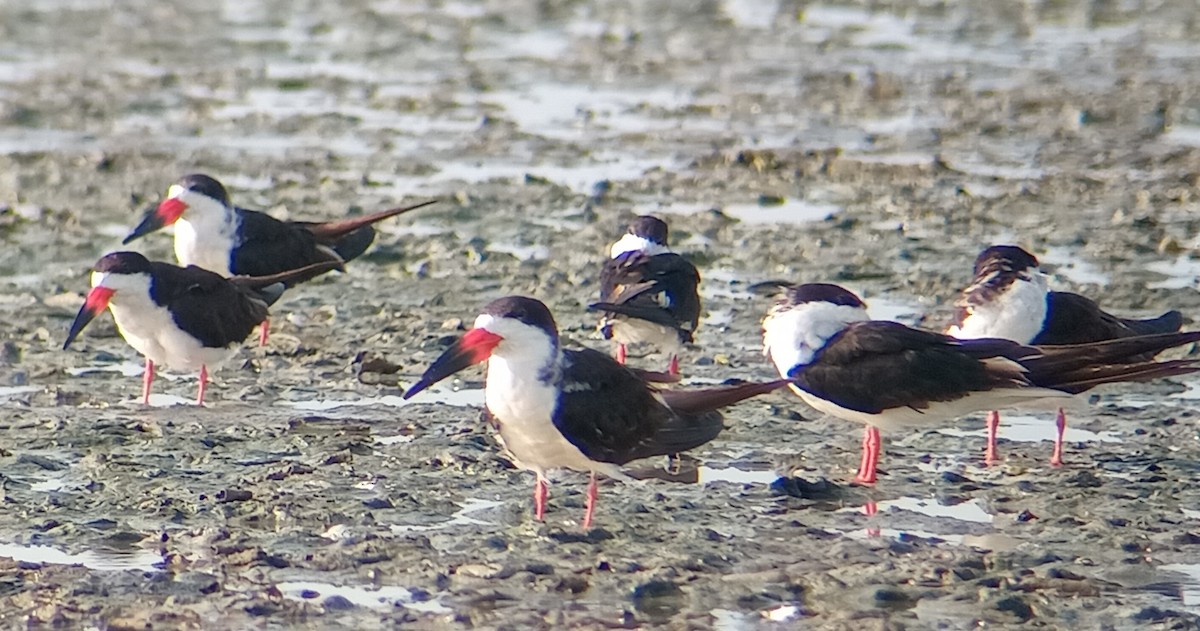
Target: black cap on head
{"x":123,"y":263}
{"x":1004,"y":258}
{"x":205,"y":185}
{"x":526,"y":310}
{"x":650,"y":228}
{"x":822,"y":292}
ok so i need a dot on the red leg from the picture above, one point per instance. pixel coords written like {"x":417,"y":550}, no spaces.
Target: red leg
{"x":990,"y":457}
{"x":871,"y":445}
{"x":263,"y":330}
{"x":862,"y":463}
{"x":673,"y":367}
{"x":620,"y":353}
{"x":541,"y":491}
{"x":147,"y":379}
{"x":592,"y":492}
{"x":203,"y":384}
{"x":1061,"y":422}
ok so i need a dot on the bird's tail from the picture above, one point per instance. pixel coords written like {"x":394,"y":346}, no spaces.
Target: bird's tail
{"x":1079,"y":367}
{"x":334,"y":232}
{"x":270,"y":288}
{"x":707,"y":399}
{"x":1168,"y":322}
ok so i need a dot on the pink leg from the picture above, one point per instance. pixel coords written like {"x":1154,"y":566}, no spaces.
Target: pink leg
{"x":871,"y":445}
{"x":591,"y":502}
{"x":203,"y":384}
{"x":990,"y":457}
{"x":541,"y":491}
{"x":673,"y":367}
{"x":862,"y":463}
{"x":264,"y":329}
{"x":620,"y":353}
{"x":147,"y":379}
{"x":1061,"y":422}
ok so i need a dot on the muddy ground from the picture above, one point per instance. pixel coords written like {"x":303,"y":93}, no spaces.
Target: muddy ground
{"x":876,"y":144}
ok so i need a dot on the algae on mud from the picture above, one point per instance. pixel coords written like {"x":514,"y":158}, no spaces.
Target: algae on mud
{"x":932,"y":129}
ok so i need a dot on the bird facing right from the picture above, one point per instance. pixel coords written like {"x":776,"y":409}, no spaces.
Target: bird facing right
{"x":891,"y":376}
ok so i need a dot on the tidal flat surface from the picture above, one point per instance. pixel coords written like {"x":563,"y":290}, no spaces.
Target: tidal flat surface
{"x":879,"y":145}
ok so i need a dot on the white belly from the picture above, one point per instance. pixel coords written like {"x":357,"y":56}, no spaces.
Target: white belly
{"x":633,"y":331}
{"x":941,"y":413}
{"x":152,"y":332}
{"x":523,"y":406}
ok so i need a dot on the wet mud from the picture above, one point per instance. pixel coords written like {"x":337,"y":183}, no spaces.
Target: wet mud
{"x":879,"y":145}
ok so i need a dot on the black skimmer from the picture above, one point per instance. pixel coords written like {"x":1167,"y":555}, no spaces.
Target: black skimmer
{"x":648,"y":293}
{"x":1009,"y":298}
{"x":212,"y":233}
{"x":185,"y":317}
{"x":556,"y":408}
{"x":887,"y":375}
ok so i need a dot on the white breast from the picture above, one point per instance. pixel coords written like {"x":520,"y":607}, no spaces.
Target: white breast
{"x":205,"y":243}
{"x":150,"y":329}
{"x":1017,"y":314}
{"x":524,"y":407}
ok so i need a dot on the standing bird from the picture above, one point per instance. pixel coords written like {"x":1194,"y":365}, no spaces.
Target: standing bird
{"x":1009,"y":298}
{"x":185,"y":317}
{"x":648,"y":293}
{"x":889,"y":376}
{"x":556,"y":408}
{"x":212,"y":233}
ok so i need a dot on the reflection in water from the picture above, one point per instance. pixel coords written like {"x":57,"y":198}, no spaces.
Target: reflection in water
{"x":106,"y":560}
{"x":385,"y":596}
{"x":458,"y":398}
{"x":459,"y":518}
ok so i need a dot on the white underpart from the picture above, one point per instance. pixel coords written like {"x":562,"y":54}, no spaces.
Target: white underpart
{"x":626,"y":330}
{"x":941,"y":413}
{"x":206,"y":233}
{"x":1017,"y":314}
{"x":793,"y":335}
{"x":150,"y":329}
{"x":634,"y":243}
{"x":523,"y":404}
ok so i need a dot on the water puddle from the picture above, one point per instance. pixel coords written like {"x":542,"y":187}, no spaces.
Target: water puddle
{"x":169,"y":400}
{"x":737,"y":475}
{"x":1189,"y":588}
{"x":385,"y":596}
{"x":1180,"y":273}
{"x":521,"y":252}
{"x":458,"y":398}
{"x":107,"y":560}
{"x":8,"y":391}
{"x":1024,"y":428}
{"x":969,"y":511}
{"x":1073,"y":267}
{"x":462,"y":517}
{"x":126,"y":369}
{"x":730,"y":620}
{"x":1188,"y":135}
{"x":793,"y":211}
{"x":884,"y":308}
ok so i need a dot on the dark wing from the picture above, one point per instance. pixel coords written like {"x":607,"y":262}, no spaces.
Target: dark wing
{"x":270,"y":246}
{"x":1075,"y":319}
{"x":878,"y":365}
{"x":663,"y":289}
{"x":1079,"y":367}
{"x":352,"y":236}
{"x":613,"y":416}
{"x":215,"y":311}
